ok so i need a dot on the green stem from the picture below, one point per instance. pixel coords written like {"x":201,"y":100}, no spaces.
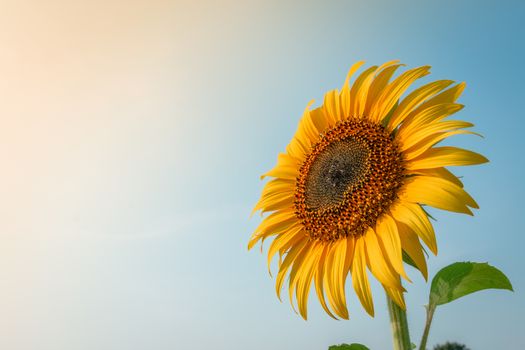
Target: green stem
{"x":424,"y":337}
{"x":399,"y":324}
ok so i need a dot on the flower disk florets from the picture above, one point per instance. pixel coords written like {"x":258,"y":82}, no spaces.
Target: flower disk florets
{"x":351,"y":177}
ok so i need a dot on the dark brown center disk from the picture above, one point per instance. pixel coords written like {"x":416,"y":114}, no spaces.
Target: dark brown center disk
{"x":351,"y":177}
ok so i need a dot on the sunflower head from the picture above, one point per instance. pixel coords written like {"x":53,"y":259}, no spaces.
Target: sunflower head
{"x":348,"y":195}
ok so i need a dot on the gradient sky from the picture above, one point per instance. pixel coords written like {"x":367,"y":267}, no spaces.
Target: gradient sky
{"x":132,"y":137}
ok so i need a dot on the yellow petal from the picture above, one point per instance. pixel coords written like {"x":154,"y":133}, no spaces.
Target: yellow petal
{"x":412,"y":246}
{"x":327,"y":275}
{"x":335,"y":278}
{"x":284,"y":242}
{"x":377,"y":261}
{"x":415,"y":217}
{"x":438,"y":193}
{"x":350,"y":246}
{"x":332,"y":107}
{"x":275,"y":201}
{"x":429,"y":130}
{"x":414,"y":99}
{"x":277,"y":186}
{"x":299,"y":267}
{"x":393,"y":92}
{"x":339,"y":274}
{"x":307,"y":126}
{"x":440,"y":172}
{"x":445,"y":156}
{"x":425,"y":117}
{"x":319,"y":282}
{"x":355,"y":67}
{"x":345,"y":91}
{"x":381,"y":80}
{"x":280,"y":203}
{"x":296,"y":149}
{"x":421,"y":146}
{"x":388,"y":237}
{"x":276,"y":223}
{"x":287,"y":168}
{"x":273,"y":191}
{"x":359,"y":91}
{"x":447,"y":96}
{"x":305,"y":280}
{"x":287,"y":263}
{"x":431,"y":114}
{"x":319,"y":119}
{"x":303,"y":137}
{"x":283,"y":172}
{"x":360,"y":278}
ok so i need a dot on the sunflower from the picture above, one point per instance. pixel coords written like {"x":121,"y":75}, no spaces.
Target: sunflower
{"x":349,"y":193}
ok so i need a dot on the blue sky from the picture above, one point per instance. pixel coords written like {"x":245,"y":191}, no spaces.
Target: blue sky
{"x":134,"y":136}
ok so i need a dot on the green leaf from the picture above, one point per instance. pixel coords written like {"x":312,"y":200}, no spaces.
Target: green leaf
{"x":353,"y":346}
{"x":463,"y":278}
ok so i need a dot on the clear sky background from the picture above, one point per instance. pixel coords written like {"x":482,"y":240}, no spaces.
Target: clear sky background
{"x":132,"y":137}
